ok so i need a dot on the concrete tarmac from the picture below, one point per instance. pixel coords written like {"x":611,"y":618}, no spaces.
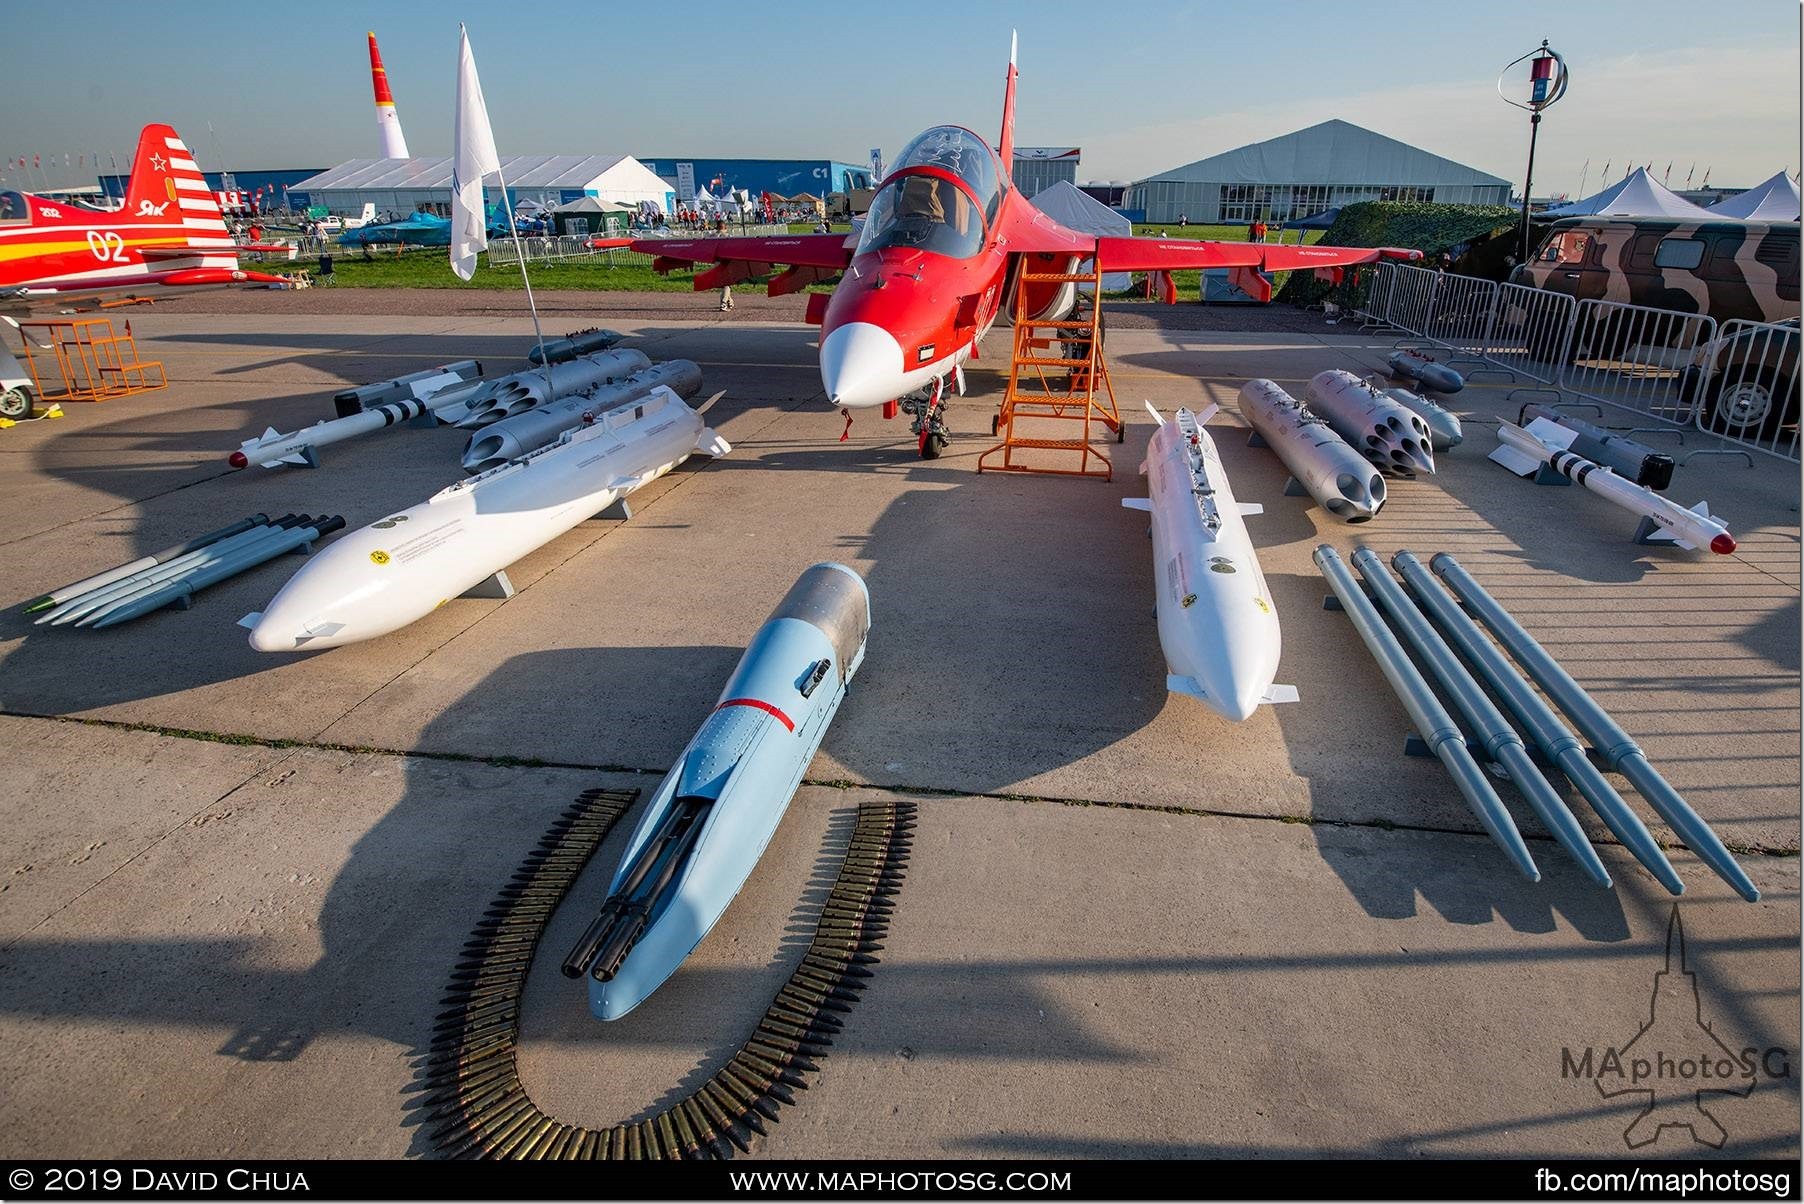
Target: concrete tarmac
{"x":237,"y":881}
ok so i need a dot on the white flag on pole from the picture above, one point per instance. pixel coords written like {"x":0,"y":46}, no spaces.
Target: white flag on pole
{"x":474,"y":158}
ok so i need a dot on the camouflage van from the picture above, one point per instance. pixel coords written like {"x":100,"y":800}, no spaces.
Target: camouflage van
{"x":1718,"y":269}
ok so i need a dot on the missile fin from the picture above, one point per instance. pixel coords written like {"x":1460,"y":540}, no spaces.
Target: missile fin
{"x":1178,"y":683}
{"x":1248,"y":509}
{"x":703,"y":407}
{"x":1518,"y":462}
{"x":251,"y":620}
{"x":710,"y":443}
{"x":1157,"y":417}
{"x":1702,"y":508}
{"x":1275,"y":695}
{"x":1144,"y":504}
{"x":1552,"y":434}
{"x":1211,"y":410}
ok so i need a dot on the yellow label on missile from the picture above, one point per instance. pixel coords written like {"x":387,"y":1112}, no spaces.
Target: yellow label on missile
{"x":379,"y":557}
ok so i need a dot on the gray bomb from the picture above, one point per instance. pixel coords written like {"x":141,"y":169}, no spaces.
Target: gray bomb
{"x":1380,"y":428}
{"x":1443,"y":424}
{"x":523,"y":390}
{"x":1319,"y":460}
{"x":513,"y":437}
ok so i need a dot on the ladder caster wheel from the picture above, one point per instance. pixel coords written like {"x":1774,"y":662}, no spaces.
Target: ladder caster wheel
{"x":1121,"y":433}
{"x":995,"y":423}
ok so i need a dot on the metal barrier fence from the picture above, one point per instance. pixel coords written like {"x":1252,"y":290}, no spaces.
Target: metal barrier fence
{"x":1740,"y":385}
{"x":1744,"y":384}
{"x":1632,"y":357}
{"x":1528,"y":330}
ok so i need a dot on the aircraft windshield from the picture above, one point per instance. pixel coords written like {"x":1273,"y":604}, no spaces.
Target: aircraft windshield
{"x":12,"y":208}
{"x":924,"y":213}
{"x":960,"y":152}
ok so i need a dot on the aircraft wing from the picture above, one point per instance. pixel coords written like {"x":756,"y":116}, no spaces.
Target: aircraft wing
{"x":89,"y":295}
{"x":1248,"y":263}
{"x":810,"y":258}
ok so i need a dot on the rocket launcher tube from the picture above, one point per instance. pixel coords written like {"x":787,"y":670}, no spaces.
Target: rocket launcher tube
{"x":193,"y":583}
{"x":1499,"y":739}
{"x":65,"y":593}
{"x":1436,"y":726}
{"x":1535,"y":719}
{"x":1619,"y":751}
{"x":94,"y":599}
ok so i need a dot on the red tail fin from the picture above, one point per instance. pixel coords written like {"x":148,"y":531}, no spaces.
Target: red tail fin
{"x":1007,"y":150}
{"x":151,"y":193}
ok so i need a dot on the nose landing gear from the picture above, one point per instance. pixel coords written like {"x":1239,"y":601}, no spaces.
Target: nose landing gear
{"x":929,"y":410}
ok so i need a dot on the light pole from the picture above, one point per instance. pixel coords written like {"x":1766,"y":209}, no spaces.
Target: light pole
{"x":1547,"y":83}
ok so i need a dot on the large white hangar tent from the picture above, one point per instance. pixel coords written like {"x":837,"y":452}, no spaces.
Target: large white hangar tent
{"x":1294,"y":176}
{"x":406,"y":185}
{"x":1775,"y":200}
{"x":1638,"y":195}
{"x":1071,"y":208}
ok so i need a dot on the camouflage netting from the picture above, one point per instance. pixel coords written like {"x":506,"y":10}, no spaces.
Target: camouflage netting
{"x":1459,"y":230}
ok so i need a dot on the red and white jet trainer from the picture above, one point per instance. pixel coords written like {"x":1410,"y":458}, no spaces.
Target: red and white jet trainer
{"x":940,"y":255}
{"x":168,"y":235}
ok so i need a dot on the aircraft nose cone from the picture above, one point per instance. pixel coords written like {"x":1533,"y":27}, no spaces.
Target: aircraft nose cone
{"x":861,"y":365}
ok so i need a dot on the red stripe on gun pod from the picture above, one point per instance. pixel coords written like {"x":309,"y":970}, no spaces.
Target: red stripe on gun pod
{"x":761,"y":705}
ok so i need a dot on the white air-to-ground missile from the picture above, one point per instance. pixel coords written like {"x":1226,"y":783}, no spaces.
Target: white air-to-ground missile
{"x":400,"y":569}
{"x":509,"y":395}
{"x":1378,"y":427}
{"x":1320,"y":462}
{"x":513,"y":437}
{"x":1217,"y":624}
{"x":1444,"y":428}
{"x":1522,"y":453}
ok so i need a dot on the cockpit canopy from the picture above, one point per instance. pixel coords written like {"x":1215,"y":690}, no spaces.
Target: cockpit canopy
{"x":13,"y":207}
{"x":927,"y":213}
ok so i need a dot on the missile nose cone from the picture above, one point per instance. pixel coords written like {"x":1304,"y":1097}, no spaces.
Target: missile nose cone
{"x":238,"y":459}
{"x":1723,"y":544}
{"x":861,"y":365}
{"x":264,"y":638}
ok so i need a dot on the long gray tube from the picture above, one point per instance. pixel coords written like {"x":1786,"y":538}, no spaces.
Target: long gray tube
{"x":1538,"y":721}
{"x":1494,"y":731}
{"x":78,"y":606}
{"x":64,"y":593}
{"x":235,"y":553}
{"x":1619,"y":751}
{"x":1425,"y":710}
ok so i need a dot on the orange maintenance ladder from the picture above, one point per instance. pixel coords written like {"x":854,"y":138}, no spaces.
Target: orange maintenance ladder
{"x":95,"y":362}
{"x":1083,"y":395}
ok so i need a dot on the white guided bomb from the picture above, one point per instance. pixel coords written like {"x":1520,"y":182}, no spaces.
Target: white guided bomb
{"x":1217,"y":624}
{"x":1320,"y":462}
{"x":458,"y":541}
{"x":509,"y":395}
{"x":1379,"y":427}
{"x":1444,"y":429}
{"x":497,"y":443}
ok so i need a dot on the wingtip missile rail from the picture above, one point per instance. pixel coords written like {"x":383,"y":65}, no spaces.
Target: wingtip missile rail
{"x":708,"y":822}
{"x":1662,"y":520}
{"x":401,"y":568}
{"x":1378,"y":427}
{"x":1341,"y":480}
{"x":1217,"y":625}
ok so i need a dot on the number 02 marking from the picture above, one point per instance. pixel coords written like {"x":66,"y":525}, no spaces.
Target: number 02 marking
{"x":108,"y":247}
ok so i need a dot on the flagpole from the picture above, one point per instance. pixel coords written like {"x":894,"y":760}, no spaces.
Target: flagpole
{"x":507,"y":209}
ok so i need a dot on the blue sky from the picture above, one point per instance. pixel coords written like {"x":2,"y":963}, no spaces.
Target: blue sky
{"x":1141,"y":88}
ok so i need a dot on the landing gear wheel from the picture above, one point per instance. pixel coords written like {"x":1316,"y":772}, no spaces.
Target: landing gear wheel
{"x":15,"y":403}
{"x":932,"y":446}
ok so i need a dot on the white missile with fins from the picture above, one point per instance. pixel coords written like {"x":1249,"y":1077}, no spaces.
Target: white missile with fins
{"x":302,"y":447}
{"x":1522,"y":453}
{"x":403,"y":567}
{"x":1217,"y":624}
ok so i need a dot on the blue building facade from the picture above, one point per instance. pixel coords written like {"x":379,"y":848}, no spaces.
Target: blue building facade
{"x":785,"y":176}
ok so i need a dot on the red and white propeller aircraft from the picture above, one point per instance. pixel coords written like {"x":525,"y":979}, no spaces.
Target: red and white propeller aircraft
{"x":168,"y":235}
{"x":943,"y":245}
